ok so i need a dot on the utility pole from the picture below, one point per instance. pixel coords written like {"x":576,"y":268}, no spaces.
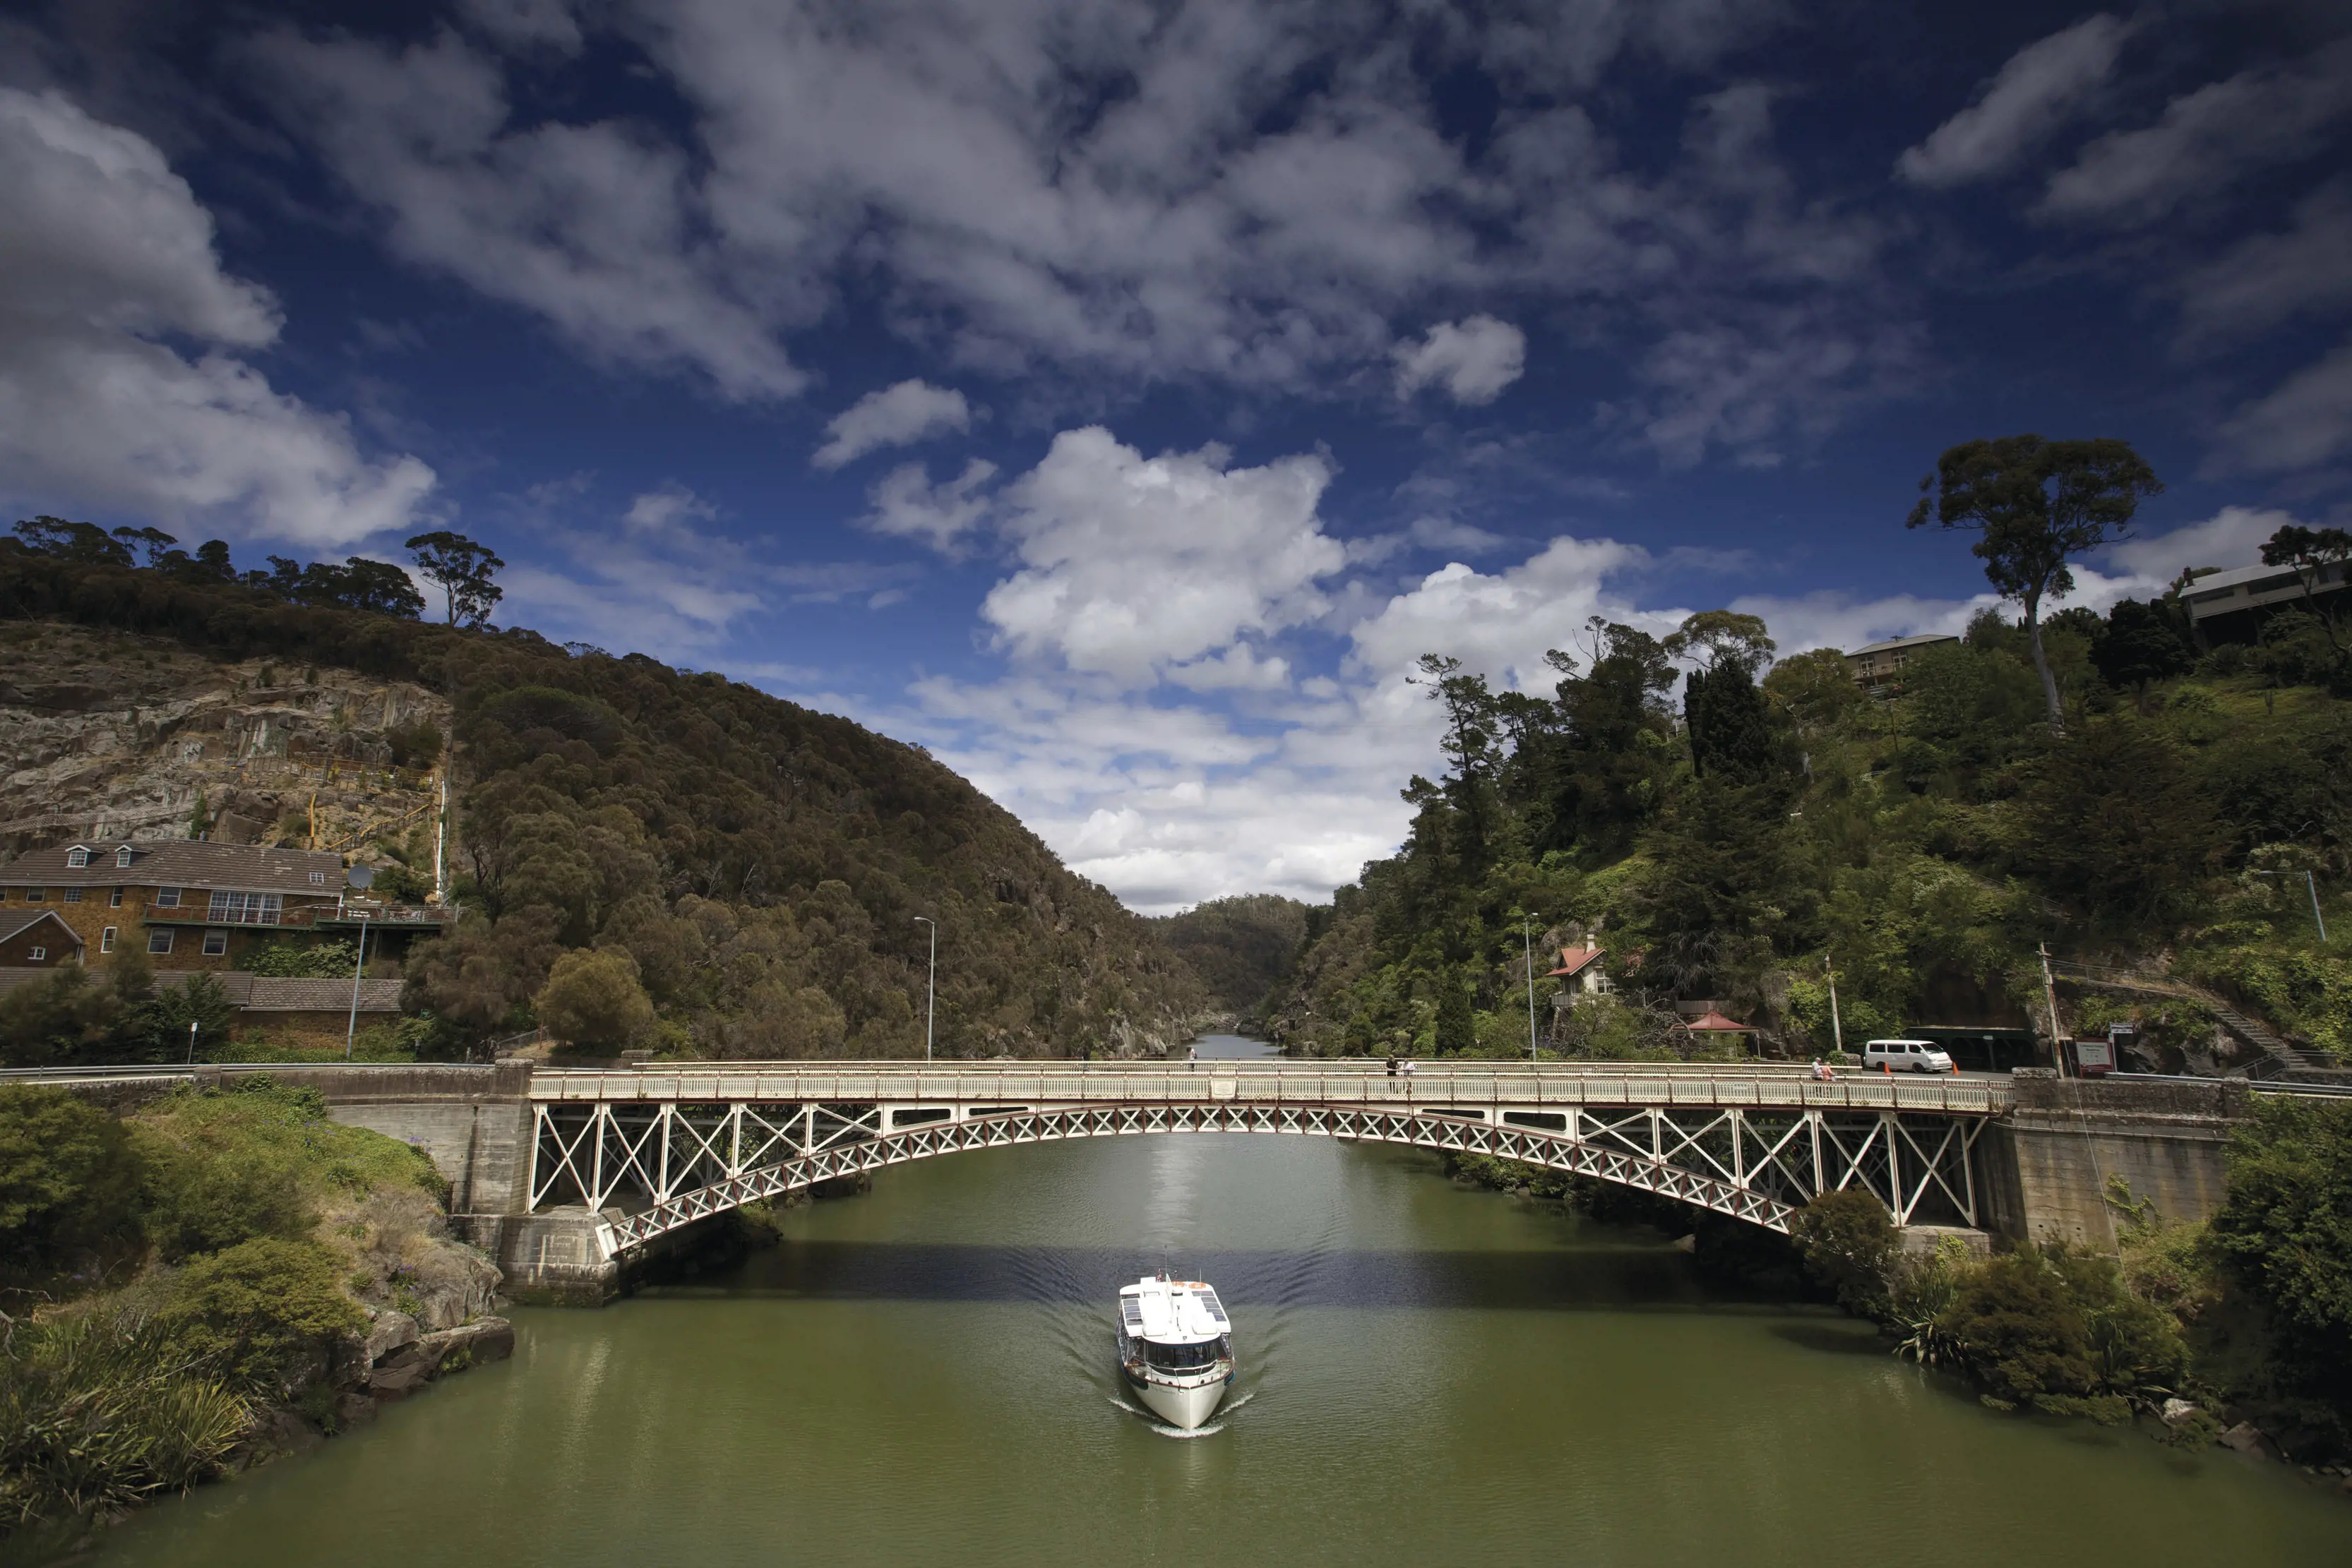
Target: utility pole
{"x":931,"y":986}
{"x":2050,"y":995}
{"x":1837,"y":1028}
{"x":351,"y":1033}
{"x":1527,"y":941}
{"x":2311,"y":885}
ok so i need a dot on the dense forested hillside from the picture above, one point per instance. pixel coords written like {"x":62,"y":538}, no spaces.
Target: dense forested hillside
{"x":1242,"y":948}
{"x":1925,"y":839}
{"x":698,"y":866}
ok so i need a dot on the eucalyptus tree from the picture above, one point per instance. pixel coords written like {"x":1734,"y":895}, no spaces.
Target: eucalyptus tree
{"x":2037,"y":504}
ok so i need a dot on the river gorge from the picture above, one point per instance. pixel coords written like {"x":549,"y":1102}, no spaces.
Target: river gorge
{"x":1430,"y":1372}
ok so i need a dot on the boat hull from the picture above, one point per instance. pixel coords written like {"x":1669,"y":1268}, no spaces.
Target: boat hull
{"x":1181,"y":1407}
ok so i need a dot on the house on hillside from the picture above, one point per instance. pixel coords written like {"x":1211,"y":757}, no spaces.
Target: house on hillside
{"x":1877,"y":664}
{"x":192,"y":904}
{"x":2230,"y":606}
{"x":1580,"y":973}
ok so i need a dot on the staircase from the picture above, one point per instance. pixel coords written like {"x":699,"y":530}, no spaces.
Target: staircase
{"x":2278,"y":1059}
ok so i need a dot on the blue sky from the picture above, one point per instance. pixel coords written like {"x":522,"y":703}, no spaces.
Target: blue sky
{"x":1116,"y":398}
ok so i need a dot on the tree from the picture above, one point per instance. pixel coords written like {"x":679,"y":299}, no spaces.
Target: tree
{"x":1849,"y":1243}
{"x":155,"y":542}
{"x":2311,"y":551}
{"x":1471,"y":724}
{"x":593,"y":1000}
{"x":2038,"y":503}
{"x":2140,"y":643}
{"x":85,"y":542}
{"x":462,"y":568}
{"x":2111,"y":817}
{"x":67,"y":1175}
{"x":2286,"y":1226}
{"x":209,"y":564}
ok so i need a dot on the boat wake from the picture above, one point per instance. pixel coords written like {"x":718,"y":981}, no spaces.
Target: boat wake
{"x":1165,"y":1430}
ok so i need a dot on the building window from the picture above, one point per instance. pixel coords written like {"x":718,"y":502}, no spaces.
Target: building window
{"x":215,"y":944}
{"x":318,"y":879}
{"x":76,"y":857}
{"x":106,"y":940}
{"x":122,"y":856}
{"x":246,"y":908}
{"x":160,"y":941}
{"x":73,"y":896}
{"x":115,"y":901}
{"x":39,"y":954}
{"x":36,"y":895}
{"x":167,"y":898}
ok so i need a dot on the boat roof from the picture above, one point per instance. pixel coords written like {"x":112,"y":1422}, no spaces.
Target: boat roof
{"x":1172,"y":1311}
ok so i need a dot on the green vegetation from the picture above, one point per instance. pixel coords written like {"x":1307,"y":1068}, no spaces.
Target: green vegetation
{"x":169,"y":1275}
{"x":1242,"y":948}
{"x":2248,"y":1314}
{"x":759,"y":863}
{"x":118,"y":1014}
{"x":1922,"y":840}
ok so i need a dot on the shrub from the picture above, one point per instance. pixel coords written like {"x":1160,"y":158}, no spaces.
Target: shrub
{"x":306,"y":960}
{"x":2285,"y":1230}
{"x":1849,"y":1243}
{"x":258,"y":1310}
{"x":100,"y":1408}
{"x":592,"y":1000}
{"x":2023,"y":1337}
{"x":67,"y":1177}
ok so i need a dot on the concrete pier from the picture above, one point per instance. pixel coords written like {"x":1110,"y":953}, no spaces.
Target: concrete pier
{"x":2049,"y":1162}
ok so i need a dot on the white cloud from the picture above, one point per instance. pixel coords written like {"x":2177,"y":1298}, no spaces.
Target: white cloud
{"x":599,"y":228}
{"x":2231,"y":537}
{"x":1761,"y":382}
{"x":1253,"y":192}
{"x":104,"y":254}
{"x":664,"y":507}
{"x":1474,"y":360}
{"x":2041,"y":88}
{"x":897,"y":415}
{"x":907,"y":504}
{"x":2205,"y":142}
{"x":547,"y":23}
{"x":2269,"y":278}
{"x":1130,"y":564}
{"x":2306,"y":421}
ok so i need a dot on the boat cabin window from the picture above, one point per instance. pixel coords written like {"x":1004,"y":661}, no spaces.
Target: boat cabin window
{"x":1197,"y":1357}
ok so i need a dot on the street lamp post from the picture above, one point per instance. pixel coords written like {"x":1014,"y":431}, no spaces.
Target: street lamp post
{"x":192,"y":1042}
{"x":932,"y":986}
{"x":1527,"y":941}
{"x":359,"y":876}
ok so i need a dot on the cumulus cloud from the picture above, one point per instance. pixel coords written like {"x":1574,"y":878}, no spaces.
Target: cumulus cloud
{"x":1132,"y":564}
{"x":2204,"y":142}
{"x":1253,"y":192}
{"x":2306,"y":421}
{"x":2268,"y":280}
{"x":666,"y":507}
{"x":2231,"y":536}
{"x":601,"y":228}
{"x":906,"y":503}
{"x":2043,"y":86}
{"x":1474,"y":360}
{"x":898,"y":415}
{"x":105,"y":256}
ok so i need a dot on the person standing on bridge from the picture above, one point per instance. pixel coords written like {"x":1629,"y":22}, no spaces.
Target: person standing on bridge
{"x":1393,"y":1065}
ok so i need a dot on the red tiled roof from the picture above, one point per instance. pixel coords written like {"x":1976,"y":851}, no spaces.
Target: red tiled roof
{"x":1715,"y":1023}
{"x":1573,"y":960}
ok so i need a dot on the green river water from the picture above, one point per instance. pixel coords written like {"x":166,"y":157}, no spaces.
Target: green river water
{"x":1430,"y":1374}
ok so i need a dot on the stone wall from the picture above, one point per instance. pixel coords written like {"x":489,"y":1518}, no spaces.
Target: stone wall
{"x":2047,"y":1165}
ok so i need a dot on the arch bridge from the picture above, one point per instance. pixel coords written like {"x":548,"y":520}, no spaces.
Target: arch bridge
{"x":649,"y":1150}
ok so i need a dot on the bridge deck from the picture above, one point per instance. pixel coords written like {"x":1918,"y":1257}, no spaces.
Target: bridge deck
{"x":1435,"y":1085}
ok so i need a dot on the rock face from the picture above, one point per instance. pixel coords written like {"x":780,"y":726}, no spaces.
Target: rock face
{"x":112,"y":735}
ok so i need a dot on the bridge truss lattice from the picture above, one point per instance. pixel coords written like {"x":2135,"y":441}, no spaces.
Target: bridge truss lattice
{"x":669,"y":1164}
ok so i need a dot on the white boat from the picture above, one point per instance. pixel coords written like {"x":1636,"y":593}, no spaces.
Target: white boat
{"x":1175,"y":1346}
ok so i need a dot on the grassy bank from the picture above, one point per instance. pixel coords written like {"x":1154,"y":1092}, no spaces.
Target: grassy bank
{"x":192,"y":1282}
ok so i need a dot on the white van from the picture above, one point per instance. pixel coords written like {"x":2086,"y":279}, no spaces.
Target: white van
{"x":1905,"y":1056}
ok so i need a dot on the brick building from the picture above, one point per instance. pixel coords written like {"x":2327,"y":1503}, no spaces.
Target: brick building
{"x":36,"y":939}
{"x":192,"y":904}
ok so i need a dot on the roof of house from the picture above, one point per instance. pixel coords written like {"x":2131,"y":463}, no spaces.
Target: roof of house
{"x":15,"y":922}
{"x":180,"y":862}
{"x":1573,"y":960}
{"x":1895,"y":643}
{"x":276,"y":994}
{"x":1715,"y":1023}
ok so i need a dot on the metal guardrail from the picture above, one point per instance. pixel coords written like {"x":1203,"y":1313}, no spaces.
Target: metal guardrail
{"x":2259,"y":1085}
